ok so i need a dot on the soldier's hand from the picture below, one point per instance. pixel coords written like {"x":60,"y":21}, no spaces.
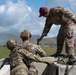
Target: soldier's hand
{"x":39,"y":39}
{"x":50,"y":62}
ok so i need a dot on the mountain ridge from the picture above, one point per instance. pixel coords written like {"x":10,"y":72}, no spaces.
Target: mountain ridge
{"x":6,"y":36}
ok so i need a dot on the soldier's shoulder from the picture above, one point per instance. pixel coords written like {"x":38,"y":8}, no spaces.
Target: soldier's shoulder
{"x":57,"y":7}
{"x":60,"y":7}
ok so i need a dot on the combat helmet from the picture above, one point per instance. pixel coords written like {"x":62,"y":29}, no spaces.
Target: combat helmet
{"x":11,"y":44}
{"x":25,"y":33}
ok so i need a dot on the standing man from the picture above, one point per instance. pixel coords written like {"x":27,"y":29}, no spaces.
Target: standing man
{"x":64,"y":17}
{"x":33,"y":48}
{"x":17,"y":56}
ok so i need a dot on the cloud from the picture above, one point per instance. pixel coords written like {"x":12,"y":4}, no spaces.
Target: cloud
{"x":70,"y":4}
{"x":2,"y":9}
{"x":15,"y":17}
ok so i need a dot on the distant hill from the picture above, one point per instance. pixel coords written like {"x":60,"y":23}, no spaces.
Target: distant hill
{"x":54,"y":37}
{"x":6,"y":36}
{"x":48,"y":41}
{"x":36,"y":36}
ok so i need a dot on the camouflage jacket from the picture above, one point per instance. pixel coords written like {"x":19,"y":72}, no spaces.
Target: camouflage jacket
{"x":58,"y":16}
{"x":33,"y":48}
{"x":17,"y":55}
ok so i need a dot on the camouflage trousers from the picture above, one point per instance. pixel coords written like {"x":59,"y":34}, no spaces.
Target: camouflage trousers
{"x":32,"y":69}
{"x":66,"y":35}
{"x":20,"y":70}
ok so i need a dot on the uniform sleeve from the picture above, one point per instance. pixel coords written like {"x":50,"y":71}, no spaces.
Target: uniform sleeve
{"x":40,"y":51}
{"x":47,"y":27}
{"x":31,"y":56}
{"x":49,"y":22}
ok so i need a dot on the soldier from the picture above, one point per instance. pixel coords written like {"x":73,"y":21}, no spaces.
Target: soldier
{"x":33,"y":48}
{"x":17,"y":55}
{"x":64,"y":17}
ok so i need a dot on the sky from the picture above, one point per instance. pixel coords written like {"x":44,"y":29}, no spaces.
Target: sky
{"x":19,"y":15}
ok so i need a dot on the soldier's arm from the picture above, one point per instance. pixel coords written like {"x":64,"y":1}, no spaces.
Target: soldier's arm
{"x":46,"y":30}
{"x":47,"y":27}
{"x":48,"y":23}
{"x":31,"y":56}
{"x":40,"y":51}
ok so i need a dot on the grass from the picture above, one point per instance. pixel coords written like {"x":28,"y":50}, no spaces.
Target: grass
{"x":4,"y":52}
{"x":49,"y":50}
{"x":52,"y":50}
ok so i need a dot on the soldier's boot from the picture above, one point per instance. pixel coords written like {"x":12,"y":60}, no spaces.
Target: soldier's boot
{"x":55,"y":55}
{"x":72,"y":60}
{"x":59,"y":50}
{"x":58,"y":53}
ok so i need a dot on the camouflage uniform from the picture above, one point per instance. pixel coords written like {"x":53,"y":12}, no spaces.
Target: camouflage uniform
{"x":67,"y":20}
{"x":17,"y":56}
{"x":35,"y":49}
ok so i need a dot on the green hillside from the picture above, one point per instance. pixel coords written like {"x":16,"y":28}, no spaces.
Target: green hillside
{"x":4,"y":52}
{"x":6,"y":36}
{"x":48,"y":44}
{"x":48,"y":41}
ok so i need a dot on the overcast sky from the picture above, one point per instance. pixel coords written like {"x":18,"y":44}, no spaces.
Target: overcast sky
{"x":18,"y":15}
